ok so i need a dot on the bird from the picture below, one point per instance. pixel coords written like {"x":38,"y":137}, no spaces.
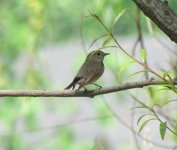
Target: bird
{"x":91,"y":70}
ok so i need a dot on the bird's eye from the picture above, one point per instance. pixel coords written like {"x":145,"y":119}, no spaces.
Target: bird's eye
{"x":98,"y":54}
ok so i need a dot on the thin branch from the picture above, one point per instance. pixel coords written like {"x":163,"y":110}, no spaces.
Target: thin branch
{"x":78,"y":93}
{"x":152,"y":110}
{"x":53,"y":127}
{"x":132,"y":130}
{"x":140,"y":33}
{"x":82,"y":37}
{"x":138,"y":41}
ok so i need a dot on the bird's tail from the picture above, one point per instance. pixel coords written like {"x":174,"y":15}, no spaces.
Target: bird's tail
{"x":70,"y":85}
{"x":73,"y":83}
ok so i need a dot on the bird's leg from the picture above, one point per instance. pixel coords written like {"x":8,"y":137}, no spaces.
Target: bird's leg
{"x":85,"y":89}
{"x":97,"y":85}
{"x":73,"y":87}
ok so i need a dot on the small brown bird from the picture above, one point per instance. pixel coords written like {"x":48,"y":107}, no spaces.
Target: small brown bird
{"x":90,"y":71}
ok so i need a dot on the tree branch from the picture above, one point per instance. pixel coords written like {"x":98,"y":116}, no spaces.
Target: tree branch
{"x":160,"y":13}
{"x":77,"y":93}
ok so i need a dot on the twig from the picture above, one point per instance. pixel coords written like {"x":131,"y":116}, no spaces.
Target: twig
{"x":132,"y":130}
{"x":174,"y":132}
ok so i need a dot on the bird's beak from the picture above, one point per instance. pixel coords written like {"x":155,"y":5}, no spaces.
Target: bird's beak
{"x":106,"y":54}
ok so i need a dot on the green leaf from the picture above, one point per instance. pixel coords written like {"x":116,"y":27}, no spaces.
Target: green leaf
{"x":143,"y":54}
{"x":136,"y":107}
{"x":175,"y":100}
{"x":138,"y":73}
{"x":140,"y":102}
{"x":102,"y":36}
{"x":163,"y":127}
{"x":107,"y":41}
{"x":144,"y":124}
{"x":123,"y":68}
{"x":139,"y":119}
{"x":118,"y":17}
{"x":165,"y":73}
{"x":164,"y":88}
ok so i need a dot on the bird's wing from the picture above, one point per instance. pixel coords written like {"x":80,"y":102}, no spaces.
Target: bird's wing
{"x":93,"y":77}
{"x":90,"y":72}
{"x":84,"y":70}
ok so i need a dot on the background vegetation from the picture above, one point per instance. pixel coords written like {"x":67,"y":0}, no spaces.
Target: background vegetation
{"x":26,"y":27}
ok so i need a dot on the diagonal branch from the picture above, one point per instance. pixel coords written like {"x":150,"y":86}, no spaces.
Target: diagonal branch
{"x":161,"y":14}
{"x":77,"y":93}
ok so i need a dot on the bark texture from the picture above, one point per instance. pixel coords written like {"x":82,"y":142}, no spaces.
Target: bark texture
{"x":161,"y":14}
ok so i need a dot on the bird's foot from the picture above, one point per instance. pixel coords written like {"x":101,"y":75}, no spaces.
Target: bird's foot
{"x":97,"y":85}
{"x":85,"y":89}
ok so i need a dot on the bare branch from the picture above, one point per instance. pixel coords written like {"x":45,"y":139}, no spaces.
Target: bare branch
{"x":160,"y":13}
{"x":78,"y":93}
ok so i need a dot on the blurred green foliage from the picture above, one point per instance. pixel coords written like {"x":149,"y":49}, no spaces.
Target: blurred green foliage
{"x":28,"y":25}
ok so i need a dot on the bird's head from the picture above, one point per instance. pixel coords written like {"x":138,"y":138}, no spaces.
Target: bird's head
{"x":96,"y":55}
